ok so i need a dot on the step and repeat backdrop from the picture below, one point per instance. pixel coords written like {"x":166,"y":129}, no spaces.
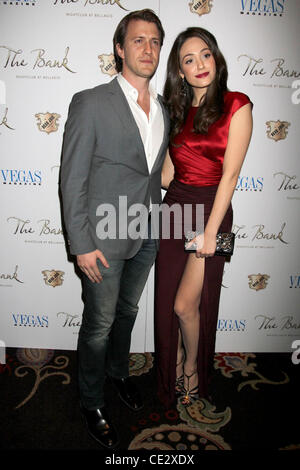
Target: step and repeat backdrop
{"x":49,"y":50}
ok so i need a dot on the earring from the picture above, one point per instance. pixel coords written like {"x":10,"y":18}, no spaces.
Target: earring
{"x":184,"y":87}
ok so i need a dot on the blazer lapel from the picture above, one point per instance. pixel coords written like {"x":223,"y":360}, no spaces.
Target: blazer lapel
{"x":164,"y":143}
{"x":123,"y":111}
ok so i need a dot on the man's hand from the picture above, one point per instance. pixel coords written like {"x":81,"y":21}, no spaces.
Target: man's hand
{"x":88,"y":264}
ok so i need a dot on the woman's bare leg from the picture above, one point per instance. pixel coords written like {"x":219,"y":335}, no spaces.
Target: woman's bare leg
{"x":179,"y":363}
{"x":187,"y":309}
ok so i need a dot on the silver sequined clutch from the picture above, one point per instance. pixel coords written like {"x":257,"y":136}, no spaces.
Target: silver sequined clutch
{"x":225,"y":244}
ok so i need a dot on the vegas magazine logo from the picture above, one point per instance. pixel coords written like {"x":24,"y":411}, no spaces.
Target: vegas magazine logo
{"x":249,"y":183}
{"x":18,"y":2}
{"x":30,"y":320}
{"x":21,"y":176}
{"x":263,"y":7}
{"x":229,"y":324}
{"x":294,"y":281}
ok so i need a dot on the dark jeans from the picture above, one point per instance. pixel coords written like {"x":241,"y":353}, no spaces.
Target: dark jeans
{"x":108,"y":318}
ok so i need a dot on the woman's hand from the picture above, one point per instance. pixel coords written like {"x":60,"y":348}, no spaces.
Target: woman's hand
{"x":208,"y":246}
{"x":167,"y":173}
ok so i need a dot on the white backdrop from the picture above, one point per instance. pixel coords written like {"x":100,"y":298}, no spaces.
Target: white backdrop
{"x":50,"y":49}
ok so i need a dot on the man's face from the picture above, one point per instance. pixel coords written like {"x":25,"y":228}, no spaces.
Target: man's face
{"x":141,"y":49}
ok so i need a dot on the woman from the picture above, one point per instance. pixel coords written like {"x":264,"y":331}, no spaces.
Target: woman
{"x":210,"y":134}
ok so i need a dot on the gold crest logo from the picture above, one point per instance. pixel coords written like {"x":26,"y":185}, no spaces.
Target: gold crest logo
{"x":258,"y":281}
{"x":108,"y":64}
{"x":53,"y":278}
{"x":201,"y":7}
{"x":47,"y":122}
{"x":277,"y":130}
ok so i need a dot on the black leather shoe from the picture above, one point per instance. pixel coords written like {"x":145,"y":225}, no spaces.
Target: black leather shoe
{"x":100,"y":427}
{"x":128,"y":393}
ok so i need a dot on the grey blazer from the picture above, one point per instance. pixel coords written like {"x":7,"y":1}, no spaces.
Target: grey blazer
{"x":104,"y":158}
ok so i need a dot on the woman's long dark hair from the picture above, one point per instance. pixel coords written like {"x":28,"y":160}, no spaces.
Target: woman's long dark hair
{"x":178,"y":102}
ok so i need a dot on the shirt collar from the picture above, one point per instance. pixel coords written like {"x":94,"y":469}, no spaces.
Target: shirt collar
{"x":131,"y":91}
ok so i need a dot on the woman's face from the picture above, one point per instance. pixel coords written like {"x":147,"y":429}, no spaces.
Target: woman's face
{"x":197,"y":63}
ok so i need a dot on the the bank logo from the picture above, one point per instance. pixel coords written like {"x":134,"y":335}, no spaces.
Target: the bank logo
{"x":283,"y":325}
{"x":21,"y":177}
{"x":258,"y":281}
{"x":3,"y":119}
{"x":92,"y":2}
{"x":286,"y":182}
{"x":38,"y":59}
{"x":69,"y":320}
{"x":277,"y":130}
{"x":108,"y":64}
{"x":41,"y":228}
{"x":259,"y":233}
{"x":53,"y":278}
{"x":201,"y":7}
{"x":262,"y":7}
{"x":250,"y":183}
{"x":30,"y":320}
{"x":18,"y":2}
{"x":47,"y":122}
{"x":257,"y":67}
{"x":231,"y":325}
{"x":11,"y":276}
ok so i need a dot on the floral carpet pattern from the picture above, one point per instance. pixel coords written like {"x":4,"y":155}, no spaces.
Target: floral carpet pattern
{"x":245,"y":388}
{"x":237,"y":362}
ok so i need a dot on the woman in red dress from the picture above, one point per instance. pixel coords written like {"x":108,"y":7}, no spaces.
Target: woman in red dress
{"x":210,"y":132}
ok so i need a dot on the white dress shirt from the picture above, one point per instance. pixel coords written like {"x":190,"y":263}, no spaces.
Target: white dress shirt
{"x":152,"y":128}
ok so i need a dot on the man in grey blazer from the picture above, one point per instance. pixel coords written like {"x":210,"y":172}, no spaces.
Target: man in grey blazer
{"x":115,"y":141}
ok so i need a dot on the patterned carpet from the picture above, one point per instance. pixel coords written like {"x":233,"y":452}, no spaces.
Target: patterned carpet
{"x":255,"y":405}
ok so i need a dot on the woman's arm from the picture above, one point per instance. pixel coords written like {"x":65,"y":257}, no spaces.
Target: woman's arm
{"x":167,"y":171}
{"x":240,"y":131}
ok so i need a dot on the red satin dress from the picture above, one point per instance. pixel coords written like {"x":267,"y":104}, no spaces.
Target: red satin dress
{"x":198,"y":161}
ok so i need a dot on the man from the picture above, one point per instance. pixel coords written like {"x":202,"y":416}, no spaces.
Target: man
{"x":115,"y":141}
